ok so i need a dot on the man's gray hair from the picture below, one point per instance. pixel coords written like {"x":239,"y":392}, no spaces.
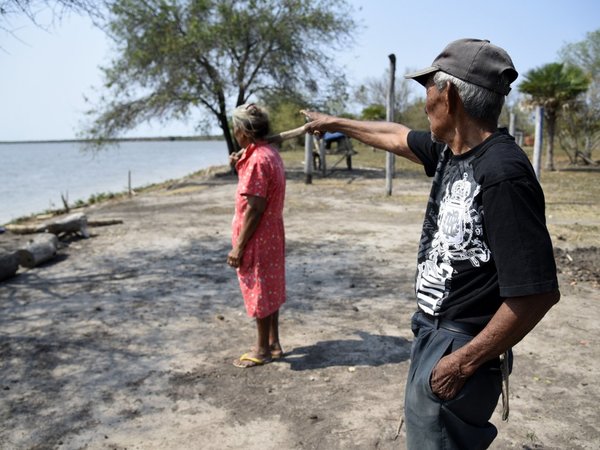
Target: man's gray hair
{"x":479,"y":102}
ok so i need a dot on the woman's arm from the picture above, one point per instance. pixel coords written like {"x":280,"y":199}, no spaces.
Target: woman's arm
{"x":250,"y":221}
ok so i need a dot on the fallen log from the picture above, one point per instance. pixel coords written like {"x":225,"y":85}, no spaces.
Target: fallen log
{"x":23,"y":229}
{"x":73,"y":223}
{"x":103,"y":222}
{"x":9,"y":264}
{"x":61,"y":227}
{"x":41,"y":248}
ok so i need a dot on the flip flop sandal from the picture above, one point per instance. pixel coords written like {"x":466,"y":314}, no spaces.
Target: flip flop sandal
{"x":246,"y":361}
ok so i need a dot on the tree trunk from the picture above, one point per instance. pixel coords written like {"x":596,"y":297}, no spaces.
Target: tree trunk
{"x":9,"y":264}
{"x":41,"y":248}
{"x":224,"y":124}
{"x":551,"y":124}
{"x":587,"y":150}
{"x":222,"y":117}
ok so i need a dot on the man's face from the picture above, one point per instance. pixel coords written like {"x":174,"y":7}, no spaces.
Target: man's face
{"x":435,"y":108}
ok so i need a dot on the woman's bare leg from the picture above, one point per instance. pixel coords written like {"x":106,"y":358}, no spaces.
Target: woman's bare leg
{"x":261,"y":352}
{"x":274,"y":344}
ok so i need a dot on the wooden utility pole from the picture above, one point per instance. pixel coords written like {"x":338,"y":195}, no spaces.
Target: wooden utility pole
{"x":308,"y":157}
{"x":390,"y":157}
{"x":511,"y":124}
{"x":323,"y":156}
{"x":537,"y":143}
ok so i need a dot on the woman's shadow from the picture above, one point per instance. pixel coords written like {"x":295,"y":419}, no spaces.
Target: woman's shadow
{"x":369,"y":350}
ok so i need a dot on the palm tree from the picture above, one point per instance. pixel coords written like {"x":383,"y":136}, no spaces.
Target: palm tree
{"x":552,"y":86}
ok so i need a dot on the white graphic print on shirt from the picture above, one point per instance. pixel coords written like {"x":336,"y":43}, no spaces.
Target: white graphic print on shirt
{"x":458,"y":238}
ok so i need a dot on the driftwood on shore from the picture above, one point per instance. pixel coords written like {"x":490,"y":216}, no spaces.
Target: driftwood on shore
{"x":23,"y":229}
{"x":41,"y":248}
{"x":73,"y":223}
{"x":103,"y":222}
{"x":9,"y":264}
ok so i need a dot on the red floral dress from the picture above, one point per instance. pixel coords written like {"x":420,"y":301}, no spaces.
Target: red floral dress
{"x":262,"y":270}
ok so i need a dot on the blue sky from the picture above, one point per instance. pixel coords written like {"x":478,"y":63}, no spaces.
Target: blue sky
{"x":44,"y":76}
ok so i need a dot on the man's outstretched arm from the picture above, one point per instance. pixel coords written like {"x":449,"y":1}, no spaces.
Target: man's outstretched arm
{"x":388,"y":136}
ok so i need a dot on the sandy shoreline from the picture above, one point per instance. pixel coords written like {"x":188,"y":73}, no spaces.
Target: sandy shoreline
{"x":126,"y":340}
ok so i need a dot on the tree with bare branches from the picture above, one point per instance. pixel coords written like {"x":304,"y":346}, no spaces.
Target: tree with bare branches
{"x":32,"y":9}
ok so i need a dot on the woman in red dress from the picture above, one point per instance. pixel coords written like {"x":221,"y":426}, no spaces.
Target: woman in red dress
{"x":258,"y":240}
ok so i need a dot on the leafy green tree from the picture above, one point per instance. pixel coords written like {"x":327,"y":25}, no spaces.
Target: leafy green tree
{"x":553,"y":86}
{"x":373,"y":92}
{"x":580,"y":133}
{"x":174,"y":56}
{"x":414,"y":115}
{"x":585,"y":54}
{"x":284,"y":113}
{"x":335,"y":96}
{"x":375,"y":111}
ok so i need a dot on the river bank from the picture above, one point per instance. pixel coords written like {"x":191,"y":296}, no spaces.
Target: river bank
{"x":39,"y":177}
{"x":126,"y":341}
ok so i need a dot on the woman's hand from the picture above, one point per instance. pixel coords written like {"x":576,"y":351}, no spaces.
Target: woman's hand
{"x":234,"y":259}
{"x":235,"y":157}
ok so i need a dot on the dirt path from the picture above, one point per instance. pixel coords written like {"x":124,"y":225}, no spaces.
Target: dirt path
{"x":126,"y":341}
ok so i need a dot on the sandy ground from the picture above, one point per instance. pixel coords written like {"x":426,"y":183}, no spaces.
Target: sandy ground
{"x":125,"y":341}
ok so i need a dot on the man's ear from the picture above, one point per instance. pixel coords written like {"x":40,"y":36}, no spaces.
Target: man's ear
{"x":451,"y":97}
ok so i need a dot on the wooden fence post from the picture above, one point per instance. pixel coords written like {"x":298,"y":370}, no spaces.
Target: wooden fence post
{"x":390,"y":157}
{"x":511,"y":124}
{"x":308,"y":157}
{"x":323,"y":156}
{"x":537,"y":143}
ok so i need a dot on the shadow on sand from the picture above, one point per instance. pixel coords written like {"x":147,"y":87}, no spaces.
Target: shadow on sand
{"x":370,"y":350}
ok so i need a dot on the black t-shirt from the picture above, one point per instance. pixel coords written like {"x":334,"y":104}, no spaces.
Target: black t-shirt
{"x":484,"y":236}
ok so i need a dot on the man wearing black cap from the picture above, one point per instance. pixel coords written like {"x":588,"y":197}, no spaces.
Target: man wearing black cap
{"x":486,"y":273}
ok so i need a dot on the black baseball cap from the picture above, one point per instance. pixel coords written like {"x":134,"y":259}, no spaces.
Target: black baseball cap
{"x":475,"y":61}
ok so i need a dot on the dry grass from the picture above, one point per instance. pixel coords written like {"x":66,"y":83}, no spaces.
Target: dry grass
{"x":366,"y":158}
{"x":572,"y":194}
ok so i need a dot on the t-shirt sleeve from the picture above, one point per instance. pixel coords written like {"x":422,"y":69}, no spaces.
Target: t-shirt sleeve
{"x":255,"y":181}
{"x":519,"y":240}
{"x":425,"y":149}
